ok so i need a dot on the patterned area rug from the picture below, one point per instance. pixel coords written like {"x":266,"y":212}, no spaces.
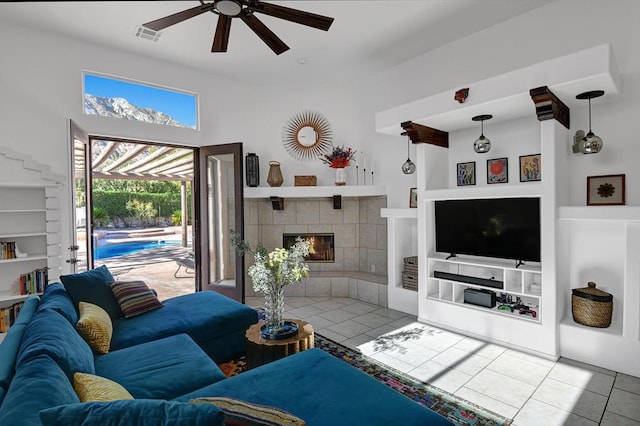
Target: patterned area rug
{"x":458,"y":410}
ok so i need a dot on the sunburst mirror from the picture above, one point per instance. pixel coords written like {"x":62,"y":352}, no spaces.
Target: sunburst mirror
{"x":307,"y":135}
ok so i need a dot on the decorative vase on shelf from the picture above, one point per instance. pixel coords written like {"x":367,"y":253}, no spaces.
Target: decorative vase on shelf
{"x":252,"y":168}
{"x":341,"y":176}
{"x":275,"y":175}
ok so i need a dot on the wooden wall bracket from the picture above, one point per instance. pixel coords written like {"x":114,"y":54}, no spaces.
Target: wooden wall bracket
{"x":337,"y":202}
{"x":549,"y":106}
{"x":277,"y":203}
{"x":423,"y":134}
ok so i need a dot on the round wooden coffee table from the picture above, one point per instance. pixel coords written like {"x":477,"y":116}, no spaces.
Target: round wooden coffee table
{"x":262,"y":351}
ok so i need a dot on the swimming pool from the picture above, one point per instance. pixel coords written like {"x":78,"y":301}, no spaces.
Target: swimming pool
{"x":120,"y":249}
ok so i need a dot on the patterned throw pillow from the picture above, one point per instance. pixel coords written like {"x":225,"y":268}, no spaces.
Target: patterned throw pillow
{"x":91,"y":388}
{"x":134,"y":297}
{"x":95,"y":327}
{"x":242,"y":413}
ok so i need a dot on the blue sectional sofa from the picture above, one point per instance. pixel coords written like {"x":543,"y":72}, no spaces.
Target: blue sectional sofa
{"x":167,"y":357}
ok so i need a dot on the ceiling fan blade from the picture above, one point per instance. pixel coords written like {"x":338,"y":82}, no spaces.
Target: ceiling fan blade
{"x":294,"y":15}
{"x":223,"y":29}
{"x":273,"y":41}
{"x":167,"y":21}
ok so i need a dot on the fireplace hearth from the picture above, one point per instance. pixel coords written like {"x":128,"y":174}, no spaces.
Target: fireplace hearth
{"x":321,"y":249}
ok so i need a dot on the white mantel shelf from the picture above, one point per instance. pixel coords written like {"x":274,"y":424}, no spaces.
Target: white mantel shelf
{"x":314,"y":191}
{"x":623,"y":213}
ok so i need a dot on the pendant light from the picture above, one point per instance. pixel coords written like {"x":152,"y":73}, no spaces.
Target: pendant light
{"x":408,"y":167}
{"x":589,"y":143}
{"x":482,"y":145}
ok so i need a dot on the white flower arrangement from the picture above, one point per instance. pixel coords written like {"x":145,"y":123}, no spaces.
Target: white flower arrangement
{"x":278,"y":268}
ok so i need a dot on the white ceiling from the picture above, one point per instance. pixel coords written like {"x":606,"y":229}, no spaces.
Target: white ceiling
{"x":366,"y":37}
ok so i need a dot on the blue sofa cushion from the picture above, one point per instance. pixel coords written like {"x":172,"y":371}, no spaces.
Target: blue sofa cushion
{"x":27,"y":310}
{"x":51,"y":334}
{"x":204,"y":316}
{"x":56,"y":297}
{"x":37,"y":385}
{"x":162,"y":369}
{"x":322,"y":390}
{"x":8,"y":353}
{"x":141,"y":412}
{"x":93,"y":286}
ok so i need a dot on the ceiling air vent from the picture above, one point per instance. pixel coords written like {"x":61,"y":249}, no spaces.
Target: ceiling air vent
{"x":147,"y":33}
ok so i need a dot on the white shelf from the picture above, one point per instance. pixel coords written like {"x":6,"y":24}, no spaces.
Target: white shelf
{"x":399,"y":213}
{"x":314,"y":191}
{"x":532,"y":189}
{"x":573,"y":327}
{"x":495,"y":311}
{"x":23,"y":211}
{"x":29,"y":258}
{"x":625,"y":213}
{"x":5,"y":298}
{"x":23,"y":235}
{"x":484,"y":263}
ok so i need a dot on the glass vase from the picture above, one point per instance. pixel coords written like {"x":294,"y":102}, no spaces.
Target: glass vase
{"x":274,"y":310}
{"x":341,"y":176}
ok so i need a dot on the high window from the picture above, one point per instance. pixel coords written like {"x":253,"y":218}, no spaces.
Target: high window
{"x":112,"y":97}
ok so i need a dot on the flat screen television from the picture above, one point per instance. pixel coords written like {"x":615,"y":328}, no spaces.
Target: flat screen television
{"x":507,"y":228}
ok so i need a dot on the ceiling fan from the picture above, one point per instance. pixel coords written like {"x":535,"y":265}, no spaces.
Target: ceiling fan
{"x":245,"y":10}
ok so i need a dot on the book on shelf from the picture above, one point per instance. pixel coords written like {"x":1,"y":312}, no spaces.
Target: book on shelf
{"x":8,"y":250}
{"x":34,"y":282}
{"x":8,"y":316}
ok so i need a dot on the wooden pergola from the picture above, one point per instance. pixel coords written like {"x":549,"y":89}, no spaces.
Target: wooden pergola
{"x":138,"y":161}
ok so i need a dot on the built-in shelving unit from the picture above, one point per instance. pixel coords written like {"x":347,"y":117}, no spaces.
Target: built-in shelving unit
{"x":515,"y":100}
{"x":515,"y":281}
{"x":30,"y":218}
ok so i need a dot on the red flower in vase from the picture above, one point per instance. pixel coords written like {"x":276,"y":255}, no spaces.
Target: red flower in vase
{"x":339,"y":157}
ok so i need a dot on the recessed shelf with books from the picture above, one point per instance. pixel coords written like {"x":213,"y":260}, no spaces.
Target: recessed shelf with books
{"x":29,"y":234}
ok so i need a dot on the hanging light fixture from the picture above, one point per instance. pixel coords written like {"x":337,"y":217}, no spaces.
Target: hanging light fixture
{"x":589,"y":143}
{"x":482,"y":145}
{"x":408,"y":167}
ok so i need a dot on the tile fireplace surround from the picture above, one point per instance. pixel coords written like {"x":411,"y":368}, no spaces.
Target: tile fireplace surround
{"x":360,"y":267}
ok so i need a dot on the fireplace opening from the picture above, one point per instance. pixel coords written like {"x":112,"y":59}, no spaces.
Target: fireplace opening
{"x":321,"y":248}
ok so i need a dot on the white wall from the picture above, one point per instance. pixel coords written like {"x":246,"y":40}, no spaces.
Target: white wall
{"x":559,"y":28}
{"x":41,"y":86}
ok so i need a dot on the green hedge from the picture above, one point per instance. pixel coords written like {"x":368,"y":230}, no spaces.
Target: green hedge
{"x":114,"y":203}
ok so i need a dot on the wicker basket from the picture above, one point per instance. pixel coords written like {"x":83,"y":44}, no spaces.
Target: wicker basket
{"x":410,"y":281}
{"x":411,"y":260}
{"x":591,"y":307}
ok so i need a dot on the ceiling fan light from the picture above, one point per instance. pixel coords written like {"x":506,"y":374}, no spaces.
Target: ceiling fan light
{"x":229,"y":7}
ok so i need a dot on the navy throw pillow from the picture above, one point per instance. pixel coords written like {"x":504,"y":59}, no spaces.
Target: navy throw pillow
{"x":93,"y":287}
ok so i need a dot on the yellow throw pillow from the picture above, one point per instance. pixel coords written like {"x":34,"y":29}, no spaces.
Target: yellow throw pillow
{"x":92,"y":388}
{"x":95,"y":327}
{"x":238,"y":412}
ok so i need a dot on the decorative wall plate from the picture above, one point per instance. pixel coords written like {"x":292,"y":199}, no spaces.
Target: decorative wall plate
{"x":307,"y":135}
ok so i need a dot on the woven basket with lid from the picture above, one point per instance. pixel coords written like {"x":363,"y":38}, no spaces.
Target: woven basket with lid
{"x":591,"y":306}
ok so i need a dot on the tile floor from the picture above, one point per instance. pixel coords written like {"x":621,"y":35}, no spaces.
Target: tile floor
{"x":528,"y":389}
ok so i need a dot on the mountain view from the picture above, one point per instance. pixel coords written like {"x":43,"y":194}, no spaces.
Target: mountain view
{"x":121,"y":108}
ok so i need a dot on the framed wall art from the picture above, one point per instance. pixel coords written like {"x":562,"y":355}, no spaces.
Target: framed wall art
{"x":413,"y":198}
{"x":466,"y":173}
{"x":497,"y":170}
{"x":530,"y":168}
{"x":607,"y":190}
